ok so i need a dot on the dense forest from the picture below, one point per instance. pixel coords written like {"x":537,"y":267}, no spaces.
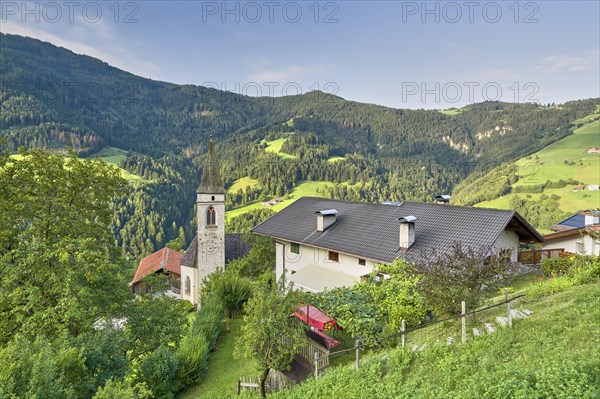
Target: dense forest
{"x":53,"y":98}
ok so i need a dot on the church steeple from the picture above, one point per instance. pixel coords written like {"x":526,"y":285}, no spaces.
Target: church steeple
{"x":211,"y":182}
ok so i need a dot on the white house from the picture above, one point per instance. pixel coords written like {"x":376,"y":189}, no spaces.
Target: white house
{"x":578,"y":234}
{"x":323,"y":244}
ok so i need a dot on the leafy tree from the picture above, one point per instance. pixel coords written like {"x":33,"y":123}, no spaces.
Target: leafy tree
{"x":463,"y":275}
{"x":376,"y":307}
{"x":260,"y":259}
{"x":41,"y":369}
{"x":159,"y":371}
{"x":105,"y":353}
{"x":121,"y":389}
{"x":59,"y":269}
{"x":270,"y":336}
{"x":155,"y":321}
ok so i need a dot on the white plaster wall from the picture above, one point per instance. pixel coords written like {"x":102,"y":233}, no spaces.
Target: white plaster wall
{"x":508,"y":240}
{"x":591,"y":245}
{"x":190,"y":272}
{"x":318,"y":256}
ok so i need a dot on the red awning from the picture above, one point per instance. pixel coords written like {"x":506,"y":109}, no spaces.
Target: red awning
{"x":314,"y":317}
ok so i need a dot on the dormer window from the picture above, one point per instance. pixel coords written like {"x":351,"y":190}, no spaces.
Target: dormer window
{"x":211,"y":216}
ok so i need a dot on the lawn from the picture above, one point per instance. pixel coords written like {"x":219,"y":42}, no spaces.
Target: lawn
{"x":275,"y":146}
{"x":223,"y":370}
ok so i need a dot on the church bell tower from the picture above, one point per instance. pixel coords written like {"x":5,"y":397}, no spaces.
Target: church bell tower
{"x":210,"y":205}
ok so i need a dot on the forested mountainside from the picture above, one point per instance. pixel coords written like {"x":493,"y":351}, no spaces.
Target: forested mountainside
{"x":51,"y":97}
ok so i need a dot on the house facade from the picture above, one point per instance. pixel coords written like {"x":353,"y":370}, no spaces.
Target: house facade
{"x":578,"y":234}
{"x":323,"y":244}
{"x":582,"y":241}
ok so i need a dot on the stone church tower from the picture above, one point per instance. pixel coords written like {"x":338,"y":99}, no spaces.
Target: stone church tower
{"x":207,"y":252}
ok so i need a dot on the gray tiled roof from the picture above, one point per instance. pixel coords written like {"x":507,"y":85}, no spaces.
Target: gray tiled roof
{"x":372,"y":230}
{"x":235,"y":247}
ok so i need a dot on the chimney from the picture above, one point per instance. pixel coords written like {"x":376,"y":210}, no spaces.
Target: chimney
{"x":325,"y":219}
{"x":591,"y":218}
{"x":443,"y":199}
{"x":407,"y":232}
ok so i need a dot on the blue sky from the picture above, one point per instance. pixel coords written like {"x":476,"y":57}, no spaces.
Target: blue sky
{"x":402,"y":54}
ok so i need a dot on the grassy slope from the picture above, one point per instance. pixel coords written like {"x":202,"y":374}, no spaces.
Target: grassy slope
{"x":110,"y":155}
{"x":223,"y":369}
{"x":554,"y":353}
{"x":305,"y":189}
{"x":548,"y":164}
{"x":275,"y":146}
{"x":114,"y":156}
{"x":242,"y":183}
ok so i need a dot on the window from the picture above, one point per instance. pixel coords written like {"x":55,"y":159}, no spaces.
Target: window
{"x":212,"y":198}
{"x":362,"y":262}
{"x":188,"y":285}
{"x":580,"y":248}
{"x":333,"y":256}
{"x":211,"y":216}
{"x":295,"y":248}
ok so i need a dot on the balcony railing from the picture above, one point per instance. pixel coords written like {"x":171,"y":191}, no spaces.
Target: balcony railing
{"x":176,"y":286}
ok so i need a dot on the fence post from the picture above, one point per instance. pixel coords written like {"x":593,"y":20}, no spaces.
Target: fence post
{"x":508,"y":314}
{"x":316,"y":365}
{"x":463,"y":321}
{"x":403,"y":332}
{"x":356,"y":343}
{"x":239,"y":386}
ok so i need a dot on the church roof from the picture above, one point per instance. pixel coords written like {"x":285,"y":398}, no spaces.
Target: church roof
{"x":235,"y":247}
{"x":211,"y":182}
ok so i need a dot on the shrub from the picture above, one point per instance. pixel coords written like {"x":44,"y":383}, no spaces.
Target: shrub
{"x":586,"y":270}
{"x":548,"y":287}
{"x":556,"y":266}
{"x":159,"y":372}
{"x":120,"y":389}
{"x":209,"y":320}
{"x":231,"y":289}
{"x":192,"y":357}
{"x":194,"y":349}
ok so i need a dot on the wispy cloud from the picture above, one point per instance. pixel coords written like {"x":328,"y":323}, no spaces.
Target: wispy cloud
{"x":587,"y":61}
{"x":291,"y":73}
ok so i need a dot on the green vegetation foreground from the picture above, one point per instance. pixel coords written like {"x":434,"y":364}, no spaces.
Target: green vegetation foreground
{"x":553,"y":354}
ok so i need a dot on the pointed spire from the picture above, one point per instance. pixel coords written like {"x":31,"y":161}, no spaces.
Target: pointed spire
{"x":211,"y":182}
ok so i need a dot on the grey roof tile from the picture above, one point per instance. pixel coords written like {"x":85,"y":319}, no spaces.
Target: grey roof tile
{"x":372,"y":230}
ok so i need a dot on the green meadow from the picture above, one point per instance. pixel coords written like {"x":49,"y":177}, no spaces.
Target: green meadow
{"x":304,"y":189}
{"x":275,"y":146}
{"x":565,"y":159}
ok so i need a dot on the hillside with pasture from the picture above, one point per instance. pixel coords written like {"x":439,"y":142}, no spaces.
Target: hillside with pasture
{"x":556,"y":181}
{"x":285,"y":147}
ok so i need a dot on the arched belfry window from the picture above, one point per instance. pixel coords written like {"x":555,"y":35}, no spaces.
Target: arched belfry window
{"x":211,"y":216}
{"x":188,"y":285}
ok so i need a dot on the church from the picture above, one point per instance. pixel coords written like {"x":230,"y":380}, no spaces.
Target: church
{"x":210,"y":249}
